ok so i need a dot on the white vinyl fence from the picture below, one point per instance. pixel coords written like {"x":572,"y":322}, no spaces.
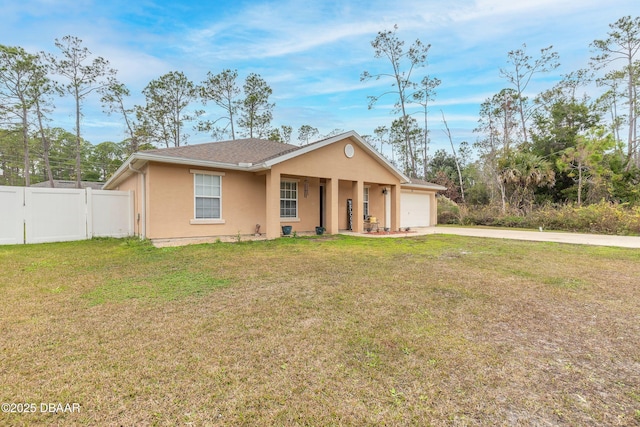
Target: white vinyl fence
{"x":37,"y":215}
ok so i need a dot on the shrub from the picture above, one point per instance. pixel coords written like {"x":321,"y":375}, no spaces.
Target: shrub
{"x":448,"y":211}
{"x":511,"y":221}
{"x":603,"y":218}
{"x":480,"y":215}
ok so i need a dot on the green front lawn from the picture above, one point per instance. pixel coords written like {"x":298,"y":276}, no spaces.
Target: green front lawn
{"x":433,"y":330}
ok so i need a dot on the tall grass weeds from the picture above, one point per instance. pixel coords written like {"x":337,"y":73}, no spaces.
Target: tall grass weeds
{"x":600,"y":218}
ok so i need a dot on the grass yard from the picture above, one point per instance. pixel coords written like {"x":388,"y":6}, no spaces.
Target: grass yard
{"x":434,"y":330}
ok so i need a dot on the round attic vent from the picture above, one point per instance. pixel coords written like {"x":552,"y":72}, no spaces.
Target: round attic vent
{"x":349,"y":151}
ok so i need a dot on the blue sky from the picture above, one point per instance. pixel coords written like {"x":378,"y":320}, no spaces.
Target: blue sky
{"x":313,"y":53}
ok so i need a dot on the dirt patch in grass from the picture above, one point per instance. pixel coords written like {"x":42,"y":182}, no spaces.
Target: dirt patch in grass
{"x":432,"y":330}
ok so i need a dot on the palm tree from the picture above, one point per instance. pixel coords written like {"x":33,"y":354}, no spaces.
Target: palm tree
{"x":522,"y":173}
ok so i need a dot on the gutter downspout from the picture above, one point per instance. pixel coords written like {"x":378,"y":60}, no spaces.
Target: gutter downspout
{"x":143,"y":208}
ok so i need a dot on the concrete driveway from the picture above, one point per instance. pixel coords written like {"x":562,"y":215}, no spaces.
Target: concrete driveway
{"x":536,"y":236}
{"x":539,"y":236}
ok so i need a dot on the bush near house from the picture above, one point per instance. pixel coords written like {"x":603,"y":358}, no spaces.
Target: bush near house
{"x":448,"y":211}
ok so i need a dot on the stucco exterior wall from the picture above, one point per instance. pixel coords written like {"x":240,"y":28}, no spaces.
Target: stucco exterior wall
{"x":170,"y":210}
{"x":331,"y":162}
{"x":134,"y":183}
{"x":308,"y":207}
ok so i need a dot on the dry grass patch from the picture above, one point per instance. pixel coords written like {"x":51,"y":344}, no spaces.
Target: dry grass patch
{"x":434,"y":330}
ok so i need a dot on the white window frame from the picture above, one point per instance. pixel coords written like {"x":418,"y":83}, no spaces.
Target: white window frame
{"x":289,"y":218}
{"x":195,"y":220}
{"x":365,"y":201}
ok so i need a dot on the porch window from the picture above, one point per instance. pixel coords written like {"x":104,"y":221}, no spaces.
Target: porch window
{"x":365,"y":202}
{"x":288,"y":199}
{"x":208,"y":196}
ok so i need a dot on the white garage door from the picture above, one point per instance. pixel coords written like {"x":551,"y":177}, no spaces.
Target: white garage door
{"x":415,"y":209}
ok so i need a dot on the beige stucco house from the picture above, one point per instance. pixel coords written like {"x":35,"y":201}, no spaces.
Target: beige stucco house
{"x":248,"y":185}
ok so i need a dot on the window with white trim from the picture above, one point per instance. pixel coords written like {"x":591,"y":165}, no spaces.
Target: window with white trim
{"x":288,"y":199}
{"x":208,"y":196}
{"x":365,"y":202}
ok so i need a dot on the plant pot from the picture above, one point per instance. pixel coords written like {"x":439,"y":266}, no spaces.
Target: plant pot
{"x":286,"y":229}
{"x":319,"y":231}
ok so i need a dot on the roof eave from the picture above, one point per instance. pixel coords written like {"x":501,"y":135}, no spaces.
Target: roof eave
{"x":429,"y":186}
{"x":138,"y":160}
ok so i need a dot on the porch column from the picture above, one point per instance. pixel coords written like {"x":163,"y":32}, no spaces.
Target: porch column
{"x":433,"y":206}
{"x":358,"y":199}
{"x":395,"y":207}
{"x":387,"y":208}
{"x":273,"y":205}
{"x":332,"y":205}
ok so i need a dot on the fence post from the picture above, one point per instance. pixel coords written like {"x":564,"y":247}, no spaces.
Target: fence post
{"x":88,"y":211}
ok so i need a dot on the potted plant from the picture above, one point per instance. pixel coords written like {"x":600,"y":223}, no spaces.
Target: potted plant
{"x":320,"y":231}
{"x":286,"y":229}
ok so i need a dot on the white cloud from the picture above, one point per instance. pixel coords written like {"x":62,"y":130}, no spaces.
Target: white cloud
{"x":244,"y":38}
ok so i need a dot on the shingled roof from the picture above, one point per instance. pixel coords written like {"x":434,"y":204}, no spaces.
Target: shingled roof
{"x":250,"y":150}
{"x":251,"y":155}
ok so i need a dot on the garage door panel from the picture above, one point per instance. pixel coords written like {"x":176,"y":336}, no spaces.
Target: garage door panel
{"x":415,"y":209}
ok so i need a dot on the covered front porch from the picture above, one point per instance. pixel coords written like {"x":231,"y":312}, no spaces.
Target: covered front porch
{"x":337,"y":204}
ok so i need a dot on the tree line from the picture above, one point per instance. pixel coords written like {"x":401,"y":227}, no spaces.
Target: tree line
{"x":561,"y":145}
{"x":29,"y":83}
